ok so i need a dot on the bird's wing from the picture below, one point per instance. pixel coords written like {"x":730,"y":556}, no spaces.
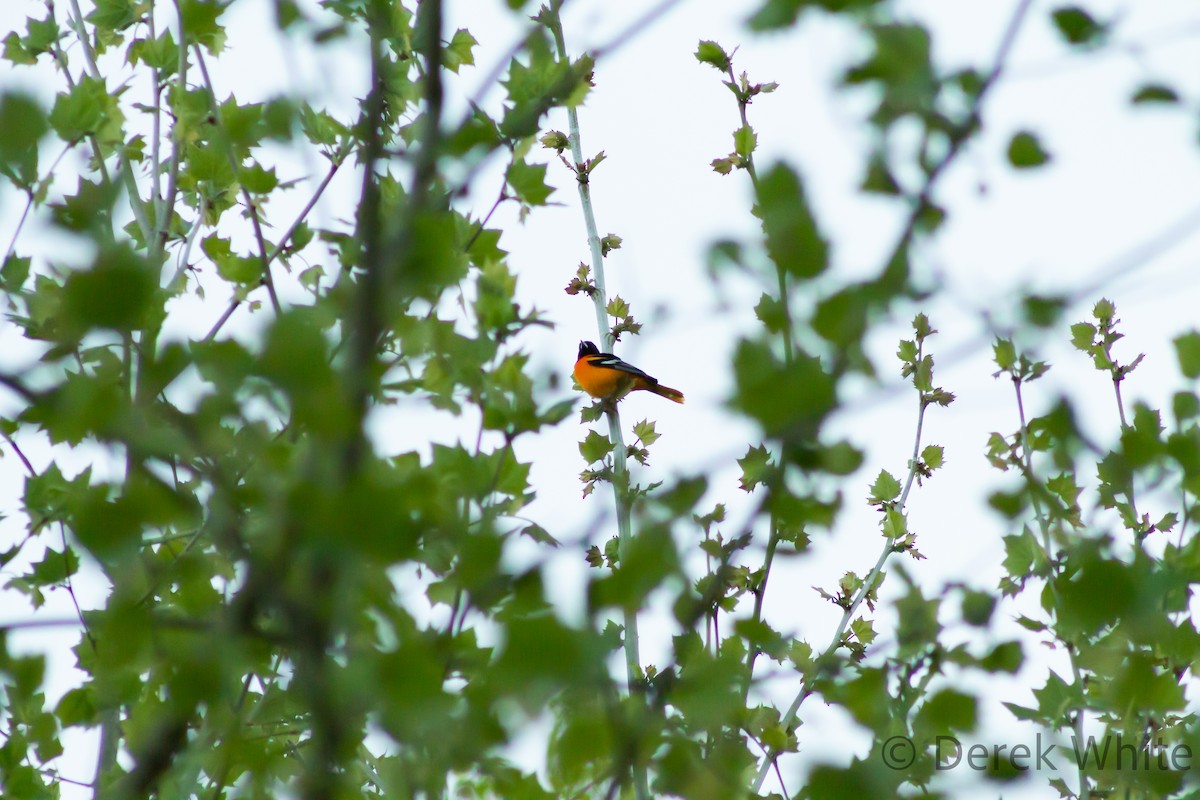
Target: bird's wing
{"x":609,"y":361}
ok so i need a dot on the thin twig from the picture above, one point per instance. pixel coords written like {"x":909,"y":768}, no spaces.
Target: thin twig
{"x":235,"y":164}
{"x":283,"y":241}
{"x":865,"y":589}
{"x":620,"y":482}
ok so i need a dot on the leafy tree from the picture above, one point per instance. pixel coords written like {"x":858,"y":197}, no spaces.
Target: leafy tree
{"x":291,"y":609}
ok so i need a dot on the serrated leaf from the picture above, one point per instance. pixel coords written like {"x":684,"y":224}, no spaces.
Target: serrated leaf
{"x":528,"y":182}
{"x":885,"y":489}
{"x":745,"y":140}
{"x":932,"y":456}
{"x":755,"y":467}
{"x":460,"y":50}
{"x":617,"y":308}
{"x":1004,"y":354}
{"x":644,"y":431}
{"x":1082,"y":335}
{"x":711,"y":53}
{"x":595,"y":447}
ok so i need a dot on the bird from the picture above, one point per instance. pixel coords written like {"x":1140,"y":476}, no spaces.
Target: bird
{"x":604,"y":376}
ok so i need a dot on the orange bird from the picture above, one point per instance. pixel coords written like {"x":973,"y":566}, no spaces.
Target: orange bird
{"x":607,"y":377}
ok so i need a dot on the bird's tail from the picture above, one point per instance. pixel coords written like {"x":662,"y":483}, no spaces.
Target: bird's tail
{"x":666,"y":391}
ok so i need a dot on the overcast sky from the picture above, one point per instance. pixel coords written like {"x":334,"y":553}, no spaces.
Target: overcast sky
{"x":1120,"y":179}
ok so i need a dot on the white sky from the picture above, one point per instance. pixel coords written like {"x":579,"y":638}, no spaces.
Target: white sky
{"x":1120,"y":177}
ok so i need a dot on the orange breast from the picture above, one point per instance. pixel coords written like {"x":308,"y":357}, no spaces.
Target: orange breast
{"x":598,"y":381}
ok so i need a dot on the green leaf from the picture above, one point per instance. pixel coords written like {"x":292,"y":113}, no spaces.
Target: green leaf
{"x":1187,"y":350}
{"x":258,"y":180}
{"x":535,"y":87}
{"x":933,"y":456}
{"x":76,"y":707}
{"x":919,"y":624}
{"x":528,"y":182}
{"x":1004,"y":354}
{"x":1082,"y":336}
{"x":1021,"y":553}
{"x":617,"y":308}
{"x":16,"y":51}
{"x":231,"y":267}
{"x":40,"y":38}
{"x":776,"y":14}
{"x":199,"y":18}
{"x":791,"y":399}
{"x":1025,"y":151}
{"x":977,"y":607}
{"x":539,"y":535}
{"x":459,"y":51}
{"x":1155,"y":93}
{"x":116,"y":15}
{"x":86,"y":109}
{"x":895,"y":523}
{"x":644,"y":431}
{"x":744,"y":141}
{"x":1005,"y":657}
{"x":879,"y":178}
{"x":117,"y":293}
{"x":755,"y":466}
{"x":436,"y":255}
{"x":840,"y":458}
{"x":772,"y":313}
{"x":14,"y":273}
{"x":1185,"y":405}
{"x":711,"y":53}
{"x":948,"y":710}
{"x":901,"y":67}
{"x":595,"y":447}
{"x":921,"y":328}
{"x":841,"y":318}
{"x":161,"y":53}
{"x":794,"y":242}
{"x":1077,"y":26}
{"x":22,"y":126}
{"x":885,"y":489}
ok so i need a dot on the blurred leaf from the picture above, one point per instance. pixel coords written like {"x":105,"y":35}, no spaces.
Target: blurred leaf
{"x":1077,"y":26}
{"x":793,"y":240}
{"x":116,"y":293}
{"x":787,"y":400}
{"x":1155,"y":94}
{"x":22,"y":126}
{"x":1187,"y":350}
{"x":459,"y":51}
{"x":87,"y":109}
{"x":1025,"y":151}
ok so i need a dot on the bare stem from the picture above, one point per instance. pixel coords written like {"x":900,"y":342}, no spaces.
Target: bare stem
{"x":621,"y":494}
